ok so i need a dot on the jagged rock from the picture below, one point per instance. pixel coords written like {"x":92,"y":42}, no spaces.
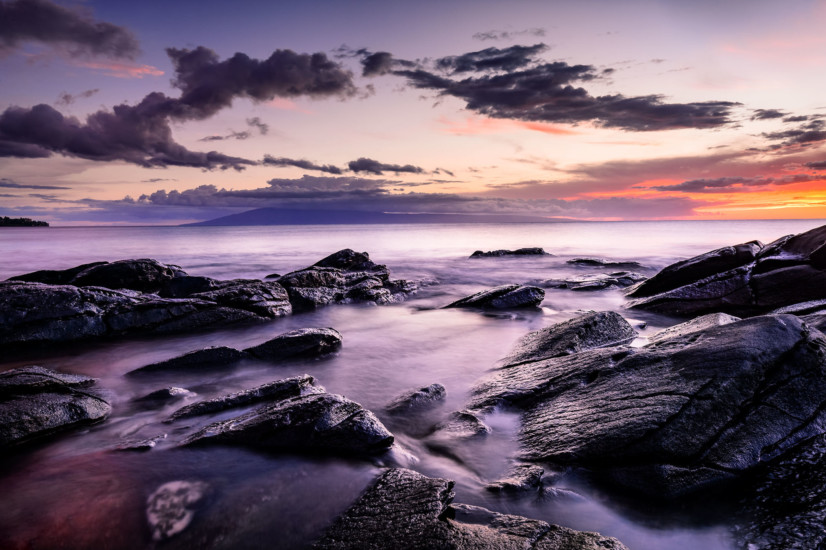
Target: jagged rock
{"x":144,"y":275}
{"x":587,"y":331}
{"x":169,"y":509}
{"x":416,"y":400}
{"x":597,"y":281}
{"x":54,"y":277}
{"x":35,"y":402}
{"x":522,"y":478}
{"x":343,"y":277}
{"x":678,"y":415}
{"x":534,"y":251}
{"x":207,"y":358}
{"x":503,"y":297}
{"x":272,"y":391}
{"x":314,"y":422}
{"x":305,"y":342}
{"x":267,"y":299}
{"x":404,"y":509}
{"x":601,"y":262}
{"x":697,"y":324}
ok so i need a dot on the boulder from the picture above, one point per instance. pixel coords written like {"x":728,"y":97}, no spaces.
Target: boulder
{"x":194,"y":361}
{"x":144,"y":275}
{"x":679,"y":415}
{"x":522,"y":478}
{"x":503,"y":297}
{"x":534,"y":251}
{"x":35,"y":402}
{"x":404,"y":509}
{"x":417,"y":400}
{"x":52,"y":276}
{"x":586,"y":331}
{"x":163,"y":396}
{"x":263,"y":298}
{"x":305,"y":342}
{"x":602,"y":262}
{"x":596,"y":281}
{"x":316,"y":422}
{"x":698,"y":324}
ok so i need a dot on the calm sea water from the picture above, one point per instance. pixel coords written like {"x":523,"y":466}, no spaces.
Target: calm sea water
{"x":74,"y":492}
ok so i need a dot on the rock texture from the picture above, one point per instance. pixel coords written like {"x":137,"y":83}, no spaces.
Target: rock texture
{"x":744,"y":280}
{"x":503,"y":297}
{"x":597,"y":281}
{"x":194,"y":361}
{"x":405,"y":509}
{"x":602,"y":262}
{"x":678,"y":415}
{"x":417,"y":400}
{"x":35,"y":402}
{"x":533,"y":251}
{"x":522,"y":478}
{"x":343,"y":277}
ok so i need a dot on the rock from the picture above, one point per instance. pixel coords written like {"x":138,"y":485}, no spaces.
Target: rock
{"x":503,"y":297}
{"x":207,"y":358}
{"x":187,"y":285}
{"x":416,"y":400}
{"x":587,"y":331}
{"x":54,"y":277}
{"x":169,"y":509}
{"x":272,"y":391}
{"x":601,"y":262}
{"x":404,"y":509}
{"x":266,"y":299}
{"x":697,"y":324}
{"x":343,"y":277}
{"x":597,"y":281}
{"x":305,"y":342}
{"x":522,"y":478}
{"x":273,"y":276}
{"x":313,"y":422}
{"x":164,"y":396}
{"x":536,"y":251}
{"x":35,"y":402}
{"x":142,"y":445}
{"x":676,"y":416}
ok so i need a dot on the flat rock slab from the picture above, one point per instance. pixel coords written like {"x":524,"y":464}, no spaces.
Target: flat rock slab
{"x":305,"y":342}
{"x":35,"y":402}
{"x":602,"y":262}
{"x":597,"y":281}
{"x":503,"y":297}
{"x":194,"y":361}
{"x":677,"y":415}
{"x":530,"y":251}
{"x":404,"y":509}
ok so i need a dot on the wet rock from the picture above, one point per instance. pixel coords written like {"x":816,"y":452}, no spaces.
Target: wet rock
{"x":35,"y":402}
{"x":676,"y":416}
{"x":534,"y":251}
{"x":503,"y":297}
{"x":522,"y":478}
{"x":272,"y":391}
{"x":141,"y":446}
{"x":343,"y":277}
{"x":601,"y":262}
{"x":416,"y":400}
{"x":266,"y":299}
{"x":316,"y":422}
{"x":587,"y":331}
{"x":172,"y":506}
{"x":54,"y":277}
{"x":164,"y":396}
{"x":461,"y":425}
{"x":404,"y":509}
{"x":597,"y":281}
{"x":207,"y":358}
{"x":187,"y":285}
{"x":697,"y":324}
{"x":305,"y":342}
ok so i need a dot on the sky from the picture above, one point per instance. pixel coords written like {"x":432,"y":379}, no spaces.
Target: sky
{"x":156,"y":112}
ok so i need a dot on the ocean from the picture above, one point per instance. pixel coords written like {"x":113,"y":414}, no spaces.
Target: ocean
{"x":74,"y":489}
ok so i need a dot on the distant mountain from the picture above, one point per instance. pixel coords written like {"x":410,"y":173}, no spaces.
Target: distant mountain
{"x":282,"y":216}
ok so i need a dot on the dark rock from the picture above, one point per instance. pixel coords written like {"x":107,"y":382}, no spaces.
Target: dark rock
{"x":143,"y":275}
{"x":404,"y":509}
{"x":164,"y":396}
{"x":171,"y":507}
{"x":522,"y":478}
{"x":315,"y":422}
{"x":273,"y":276}
{"x":587,"y":331}
{"x":535,"y":251}
{"x":597,"y":281}
{"x":272,"y":391}
{"x":266,"y":299}
{"x":207,"y":358}
{"x":416,"y":400}
{"x":679,"y":415}
{"x":601,"y":262}
{"x":503,"y":297}
{"x":54,"y":277}
{"x":187,"y":285}
{"x":142,"y":445}
{"x":300,"y":343}
{"x":697,"y":324}
{"x":35,"y":402}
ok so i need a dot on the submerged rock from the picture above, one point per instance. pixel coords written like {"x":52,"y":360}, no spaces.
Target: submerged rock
{"x":533,"y":251}
{"x":503,"y":297}
{"x":171,"y":507}
{"x":601,"y":262}
{"x":416,"y":400}
{"x":597,"y":281}
{"x":404,"y":509}
{"x":35,"y":402}
{"x":678,"y":415}
{"x":164,"y":396}
{"x":305,"y":342}
{"x":207,"y":358}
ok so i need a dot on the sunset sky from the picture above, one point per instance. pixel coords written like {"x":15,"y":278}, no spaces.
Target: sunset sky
{"x":169,"y":112}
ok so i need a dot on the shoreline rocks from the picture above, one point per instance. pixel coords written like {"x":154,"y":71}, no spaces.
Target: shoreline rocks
{"x":531,"y":251}
{"x":502,"y":297}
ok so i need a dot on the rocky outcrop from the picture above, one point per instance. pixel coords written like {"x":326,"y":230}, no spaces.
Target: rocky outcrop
{"x":35,"y":402}
{"x":503,"y":297}
{"x":417,"y":400}
{"x":533,"y":251}
{"x":744,"y":280}
{"x":602,"y":262}
{"x":202,"y":359}
{"x":587,"y":331}
{"x":343,"y":277}
{"x":144,"y":275}
{"x":522,"y":478}
{"x":596,"y":281}
{"x":679,"y":415}
{"x":404,"y":509}
{"x":314,"y":422}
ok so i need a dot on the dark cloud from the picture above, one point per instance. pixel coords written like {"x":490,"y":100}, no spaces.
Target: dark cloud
{"x":491,"y":59}
{"x":232,"y":135}
{"x":262,"y":127}
{"x":729,"y":184}
{"x":300,"y":163}
{"x":376,"y":64}
{"x":157,"y":180}
{"x":65,"y":98}
{"x":141,"y":134}
{"x":72,"y":30}
{"x":798,"y":118}
{"x":11,"y":184}
{"x":804,"y":135}
{"x":819,"y":165}
{"x":508,"y":35}
{"x":767,"y":114}
{"x":378,"y":168}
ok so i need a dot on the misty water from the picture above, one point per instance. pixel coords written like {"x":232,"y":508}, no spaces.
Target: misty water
{"x":73,"y":491}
